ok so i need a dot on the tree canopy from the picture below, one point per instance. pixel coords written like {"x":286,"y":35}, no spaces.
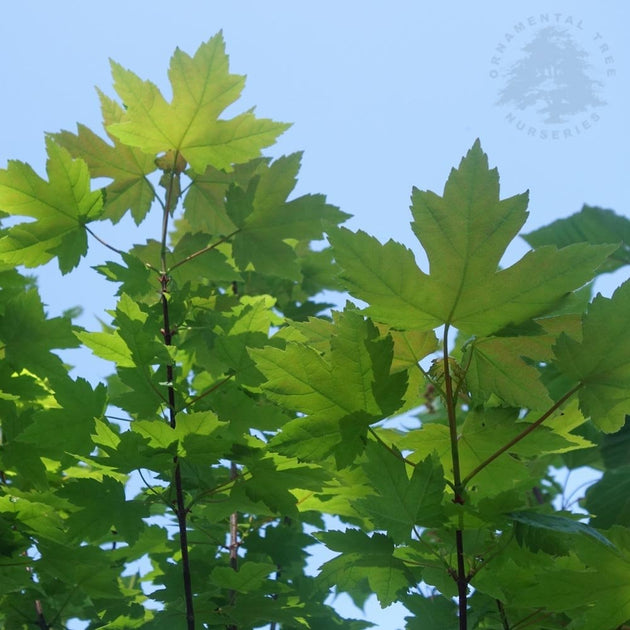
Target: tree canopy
{"x":242,"y":410}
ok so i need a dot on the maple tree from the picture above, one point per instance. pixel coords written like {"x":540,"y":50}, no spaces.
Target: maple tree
{"x":186,"y":491}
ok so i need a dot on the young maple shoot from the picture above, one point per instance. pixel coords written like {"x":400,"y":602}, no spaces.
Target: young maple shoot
{"x":186,"y":490}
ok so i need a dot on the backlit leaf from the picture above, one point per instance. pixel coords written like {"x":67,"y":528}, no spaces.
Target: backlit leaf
{"x":400,"y":503}
{"x":202,"y":89}
{"x":61,"y":207}
{"x":590,"y":225}
{"x":125,"y":165}
{"x":601,"y":361}
{"x":464,"y":233}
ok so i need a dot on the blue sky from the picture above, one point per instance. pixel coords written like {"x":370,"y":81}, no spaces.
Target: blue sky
{"x":383,"y":96}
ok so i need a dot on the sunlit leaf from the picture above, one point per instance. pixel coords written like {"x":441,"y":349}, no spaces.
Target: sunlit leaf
{"x":590,"y":225}
{"x":464,"y":233}
{"x":601,"y":361}
{"x":60,"y":207}
{"x":125,"y":165}
{"x":189,"y":124}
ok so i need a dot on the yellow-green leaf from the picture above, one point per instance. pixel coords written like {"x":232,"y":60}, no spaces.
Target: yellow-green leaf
{"x":189,"y":124}
{"x":61,"y":208}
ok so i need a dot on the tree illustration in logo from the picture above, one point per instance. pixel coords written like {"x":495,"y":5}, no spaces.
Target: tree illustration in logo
{"x":553,"y":77}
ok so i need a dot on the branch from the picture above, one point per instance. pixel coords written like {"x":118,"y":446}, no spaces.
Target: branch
{"x":521,"y":435}
{"x":102,"y":242}
{"x":396,"y":454}
{"x":203,"y":250}
{"x":216,"y":386}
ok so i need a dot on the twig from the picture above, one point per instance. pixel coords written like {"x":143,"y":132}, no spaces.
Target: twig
{"x":194,"y":255}
{"x":396,"y":454}
{"x":102,"y":242}
{"x":523,"y":434}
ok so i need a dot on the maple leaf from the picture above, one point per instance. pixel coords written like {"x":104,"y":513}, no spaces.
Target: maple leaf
{"x":598,"y":595}
{"x":61,"y":208}
{"x":399,"y":503}
{"x":266,"y":219}
{"x":126,"y":166}
{"x":28,"y":336}
{"x":202,"y":89}
{"x":609,"y":499}
{"x":592,"y":225}
{"x":67,"y":426}
{"x":100,"y":506}
{"x":601,"y":361}
{"x":464,"y":233}
{"x":302,"y":379}
{"x":482,"y":434}
{"x":364,"y":556}
{"x":496,"y":367}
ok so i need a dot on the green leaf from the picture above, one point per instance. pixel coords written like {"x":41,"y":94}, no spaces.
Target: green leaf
{"x":268,"y":220}
{"x":126,"y":166}
{"x":558,"y":523}
{"x":212,"y":266}
{"x":90,"y":570}
{"x":202,"y":89}
{"x":67,"y":427}
{"x":135,"y":277}
{"x":615,"y":447}
{"x":28,"y":336}
{"x":590,"y":225}
{"x":205,"y":203}
{"x":398,"y":503}
{"x":274,"y":478}
{"x":109,"y":346}
{"x":601,"y":361}
{"x":301,"y":379}
{"x":365,"y":557}
{"x":250,"y":577}
{"x":410,"y":346}
{"x":143,"y":343}
{"x":497,"y":367}
{"x":431,"y":613}
{"x":61,"y":208}
{"x":608,"y":500}
{"x":481,"y":435}
{"x":598,"y":597}
{"x":464,"y":233}
{"x":99,"y":506}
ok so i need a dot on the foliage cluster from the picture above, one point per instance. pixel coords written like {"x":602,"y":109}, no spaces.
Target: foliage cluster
{"x":245,"y":411}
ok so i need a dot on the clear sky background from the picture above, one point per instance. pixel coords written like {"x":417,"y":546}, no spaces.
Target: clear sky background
{"x":383,"y":95}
